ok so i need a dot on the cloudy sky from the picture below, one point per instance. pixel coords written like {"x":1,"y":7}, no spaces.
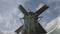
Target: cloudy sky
{"x":10,"y":14}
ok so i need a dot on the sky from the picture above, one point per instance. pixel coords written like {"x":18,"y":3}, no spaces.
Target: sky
{"x":57,"y":30}
{"x":10,"y":14}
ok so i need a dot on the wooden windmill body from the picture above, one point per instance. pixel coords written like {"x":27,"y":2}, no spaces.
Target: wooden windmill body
{"x":31,"y":25}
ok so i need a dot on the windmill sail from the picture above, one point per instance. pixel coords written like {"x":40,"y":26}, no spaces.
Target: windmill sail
{"x":19,"y":29}
{"x":22,"y":9}
{"x":31,"y":24}
{"x":40,"y":29}
{"x":41,"y":10}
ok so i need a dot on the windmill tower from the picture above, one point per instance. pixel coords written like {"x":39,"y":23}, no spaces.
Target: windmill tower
{"x":31,"y":25}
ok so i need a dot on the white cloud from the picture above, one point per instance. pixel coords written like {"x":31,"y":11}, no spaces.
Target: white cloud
{"x":59,"y":22}
{"x":50,"y":26}
{"x":21,"y":15}
{"x":59,"y":19}
{"x":10,"y":14}
{"x":8,"y":25}
{"x":10,"y":32}
{"x":1,"y":19}
{"x":59,"y":27}
{"x":57,"y":30}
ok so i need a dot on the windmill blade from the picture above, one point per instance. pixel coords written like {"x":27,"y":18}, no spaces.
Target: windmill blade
{"x":40,"y":29}
{"x":22,"y":9}
{"x":19,"y":29}
{"x":41,"y":10}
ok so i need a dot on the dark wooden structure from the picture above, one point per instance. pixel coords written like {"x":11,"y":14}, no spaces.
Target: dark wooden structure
{"x":31,"y":25}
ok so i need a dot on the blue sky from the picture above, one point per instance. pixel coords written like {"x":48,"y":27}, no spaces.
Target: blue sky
{"x":10,"y":14}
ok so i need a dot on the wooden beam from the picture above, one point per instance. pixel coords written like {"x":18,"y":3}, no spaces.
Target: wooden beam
{"x":41,"y":10}
{"x":19,"y":29}
{"x":22,"y":9}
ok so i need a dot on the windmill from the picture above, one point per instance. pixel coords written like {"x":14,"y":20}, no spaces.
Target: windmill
{"x":31,"y":24}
